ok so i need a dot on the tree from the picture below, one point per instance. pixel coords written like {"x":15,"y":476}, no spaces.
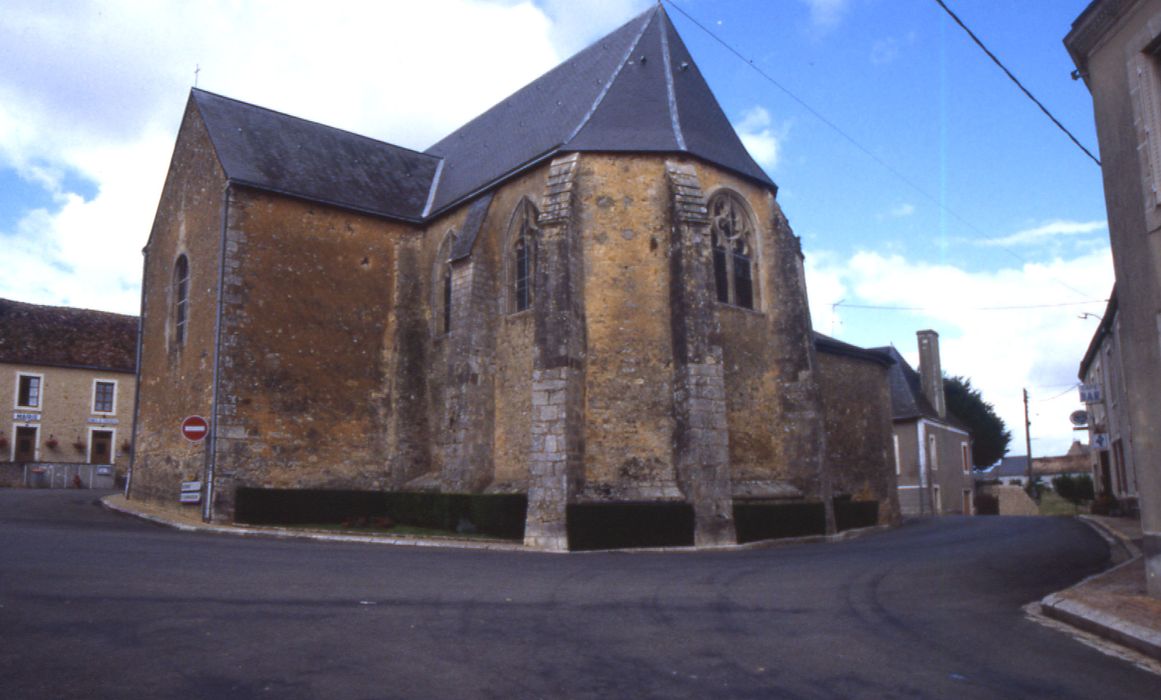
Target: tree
{"x":990,"y":436}
{"x":1074,"y":488}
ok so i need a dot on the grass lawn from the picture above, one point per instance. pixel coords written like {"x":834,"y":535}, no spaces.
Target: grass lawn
{"x":1051,"y":503}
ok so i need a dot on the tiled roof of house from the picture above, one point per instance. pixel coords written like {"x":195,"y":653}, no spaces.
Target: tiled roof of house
{"x":1103,"y":329}
{"x":907,"y":399}
{"x":58,"y":336}
{"x":636,"y":90}
{"x":1009,"y":467}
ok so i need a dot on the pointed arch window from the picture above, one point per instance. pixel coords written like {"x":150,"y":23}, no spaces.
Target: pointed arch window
{"x":733,"y":250}
{"x":441,"y":302}
{"x":521,"y":257}
{"x":180,"y":299}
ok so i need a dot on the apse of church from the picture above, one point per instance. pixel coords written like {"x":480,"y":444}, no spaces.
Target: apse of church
{"x":614,"y":316}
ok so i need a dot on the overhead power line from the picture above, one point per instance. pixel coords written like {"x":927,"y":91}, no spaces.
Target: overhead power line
{"x":863,"y":149}
{"x":1020,"y":307}
{"x":1015,"y":80}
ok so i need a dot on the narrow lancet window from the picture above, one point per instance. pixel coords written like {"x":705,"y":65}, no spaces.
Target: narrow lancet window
{"x":180,"y":299}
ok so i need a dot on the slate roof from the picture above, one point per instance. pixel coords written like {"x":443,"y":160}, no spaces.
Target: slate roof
{"x":1103,"y":330}
{"x":58,"y":336}
{"x":825,"y":343}
{"x":636,"y":90}
{"x":908,"y":401}
{"x":1009,"y":467}
{"x":272,"y":151}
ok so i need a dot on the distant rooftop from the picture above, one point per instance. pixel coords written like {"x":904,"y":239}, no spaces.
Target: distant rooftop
{"x":59,"y":336}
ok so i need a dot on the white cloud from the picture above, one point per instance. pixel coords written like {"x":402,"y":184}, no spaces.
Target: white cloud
{"x":902,"y":210}
{"x":97,"y":90}
{"x":1052,"y":229}
{"x":759,"y":138}
{"x":827,"y":14}
{"x":1002,"y":351}
{"x":884,"y":51}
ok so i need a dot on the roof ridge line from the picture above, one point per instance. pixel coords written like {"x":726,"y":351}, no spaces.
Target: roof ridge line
{"x":432,"y":189}
{"x":612,"y":79}
{"x":674,"y":116}
{"x":314,"y":122}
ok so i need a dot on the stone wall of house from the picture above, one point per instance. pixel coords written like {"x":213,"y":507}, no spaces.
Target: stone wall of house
{"x":859,"y":437}
{"x":178,"y":379}
{"x":305,"y":347}
{"x":65,"y":420}
{"x":947,"y":470}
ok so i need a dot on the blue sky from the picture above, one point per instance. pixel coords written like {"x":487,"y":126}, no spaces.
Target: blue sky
{"x":998,"y":209}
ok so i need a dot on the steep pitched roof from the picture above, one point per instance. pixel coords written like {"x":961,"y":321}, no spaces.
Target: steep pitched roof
{"x":269,"y":150}
{"x":635,"y":90}
{"x":907,"y":399}
{"x":57,"y":336}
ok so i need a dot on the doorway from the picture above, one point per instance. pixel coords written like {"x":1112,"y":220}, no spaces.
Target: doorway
{"x":25,"y":447}
{"x":101,"y":451}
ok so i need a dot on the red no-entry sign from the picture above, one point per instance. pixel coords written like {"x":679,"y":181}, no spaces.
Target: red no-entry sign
{"x":194,"y":428}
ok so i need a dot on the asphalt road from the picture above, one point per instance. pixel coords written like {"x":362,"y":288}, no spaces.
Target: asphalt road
{"x":98,"y":605}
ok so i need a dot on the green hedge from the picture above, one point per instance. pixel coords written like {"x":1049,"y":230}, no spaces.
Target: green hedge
{"x":490,"y":514}
{"x":771,"y":521}
{"x":629,"y":525}
{"x":849,"y":515}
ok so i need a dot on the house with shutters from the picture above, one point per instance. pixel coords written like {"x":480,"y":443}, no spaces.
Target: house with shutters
{"x":68,"y":380}
{"x":586,"y":299}
{"x":933,"y":458}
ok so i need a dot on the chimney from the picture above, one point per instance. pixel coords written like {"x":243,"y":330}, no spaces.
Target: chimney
{"x":930,"y":372}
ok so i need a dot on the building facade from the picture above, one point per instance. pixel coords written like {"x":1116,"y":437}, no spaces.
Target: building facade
{"x":1115,"y":46}
{"x":586,"y":295}
{"x":933,"y":458}
{"x":67,"y":378}
{"x":1110,"y":445}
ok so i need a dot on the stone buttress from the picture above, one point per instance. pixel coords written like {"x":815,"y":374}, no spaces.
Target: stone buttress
{"x":556,"y":460}
{"x":701,"y":438}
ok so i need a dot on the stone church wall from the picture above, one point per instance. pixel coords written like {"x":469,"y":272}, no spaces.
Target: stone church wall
{"x":859,"y":437}
{"x":623,"y":222}
{"x":305,"y":351}
{"x":178,"y":378}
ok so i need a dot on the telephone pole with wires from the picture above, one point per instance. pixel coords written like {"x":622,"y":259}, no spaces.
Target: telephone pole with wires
{"x":1028,"y":446}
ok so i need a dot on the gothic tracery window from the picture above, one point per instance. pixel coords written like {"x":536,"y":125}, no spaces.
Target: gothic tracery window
{"x":521,"y":262}
{"x":733,"y":250}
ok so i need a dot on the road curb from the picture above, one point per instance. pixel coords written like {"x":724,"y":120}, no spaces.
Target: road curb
{"x":108,"y":503}
{"x":288,"y":534}
{"x":1066,"y":608}
{"x":1073,"y":612}
{"x":1114,"y":537}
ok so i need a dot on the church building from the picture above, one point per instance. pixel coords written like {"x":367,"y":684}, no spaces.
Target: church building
{"x":586,"y":296}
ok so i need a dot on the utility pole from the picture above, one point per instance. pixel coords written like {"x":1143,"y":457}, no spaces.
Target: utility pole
{"x":1028,"y":445}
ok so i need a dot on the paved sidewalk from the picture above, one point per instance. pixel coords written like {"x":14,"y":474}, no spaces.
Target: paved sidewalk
{"x":189,"y":520}
{"x":1113,"y":604}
